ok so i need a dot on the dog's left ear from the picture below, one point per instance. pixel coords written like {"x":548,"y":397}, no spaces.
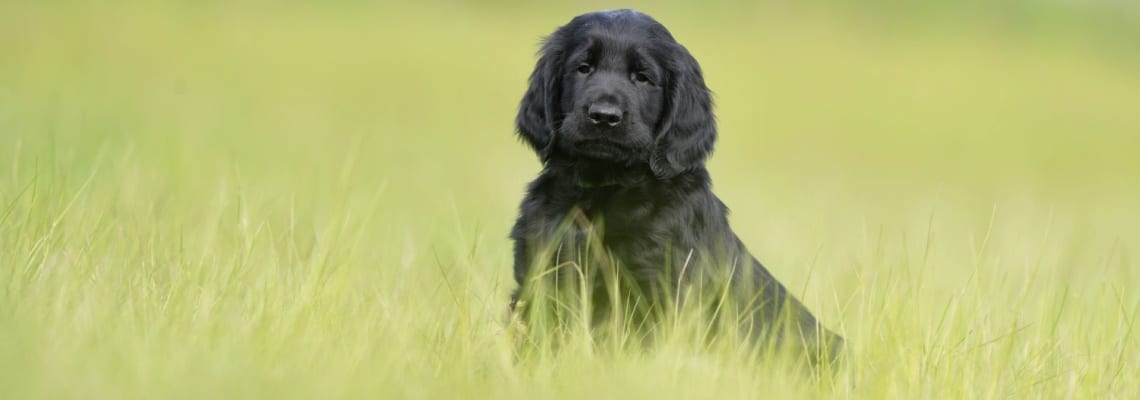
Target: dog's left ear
{"x":686,"y":134}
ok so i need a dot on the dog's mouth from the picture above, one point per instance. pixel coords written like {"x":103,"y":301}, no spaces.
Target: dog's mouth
{"x":624,"y":144}
{"x":603,"y":148}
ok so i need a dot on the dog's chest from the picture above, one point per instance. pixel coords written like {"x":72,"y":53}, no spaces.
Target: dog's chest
{"x":622,"y":225}
{"x":615,"y":213}
{"x":612,"y":229}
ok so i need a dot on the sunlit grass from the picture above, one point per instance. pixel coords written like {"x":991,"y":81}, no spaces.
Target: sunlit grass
{"x":247,"y":201}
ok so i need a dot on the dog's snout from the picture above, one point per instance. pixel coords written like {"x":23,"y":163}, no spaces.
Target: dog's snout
{"x":604,"y":114}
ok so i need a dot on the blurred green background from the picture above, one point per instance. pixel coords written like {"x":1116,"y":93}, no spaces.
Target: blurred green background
{"x":254,"y":192}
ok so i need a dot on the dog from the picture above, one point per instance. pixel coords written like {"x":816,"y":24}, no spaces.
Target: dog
{"x":622,"y":121}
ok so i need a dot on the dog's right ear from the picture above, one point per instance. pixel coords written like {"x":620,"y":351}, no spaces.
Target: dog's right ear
{"x":538,"y":112}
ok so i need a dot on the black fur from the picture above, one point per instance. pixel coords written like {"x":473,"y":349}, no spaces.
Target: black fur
{"x":643,"y":177}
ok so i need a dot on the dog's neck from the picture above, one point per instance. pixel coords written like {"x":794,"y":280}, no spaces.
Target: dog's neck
{"x":586,"y":184}
{"x":595,"y":174}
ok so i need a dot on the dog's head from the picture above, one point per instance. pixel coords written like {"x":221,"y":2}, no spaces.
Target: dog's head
{"x":614,"y":86}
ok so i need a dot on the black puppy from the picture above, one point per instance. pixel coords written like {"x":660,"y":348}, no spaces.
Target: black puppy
{"x":621,"y":118}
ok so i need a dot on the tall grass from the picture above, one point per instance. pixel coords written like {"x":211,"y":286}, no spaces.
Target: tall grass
{"x":247,"y":200}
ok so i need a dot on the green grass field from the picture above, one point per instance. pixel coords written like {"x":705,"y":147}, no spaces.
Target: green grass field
{"x":248,"y":200}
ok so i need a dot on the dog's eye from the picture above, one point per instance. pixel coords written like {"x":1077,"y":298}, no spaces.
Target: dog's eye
{"x":641,"y":77}
{"x":585,"y":69}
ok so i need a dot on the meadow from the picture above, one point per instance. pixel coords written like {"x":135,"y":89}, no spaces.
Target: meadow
{"x":311,"y":200}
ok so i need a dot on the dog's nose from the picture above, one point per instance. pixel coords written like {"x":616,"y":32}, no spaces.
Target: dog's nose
{"x":603,"y":114}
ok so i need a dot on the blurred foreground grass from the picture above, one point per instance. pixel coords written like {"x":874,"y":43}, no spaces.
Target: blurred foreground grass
{"x":252,"y":200}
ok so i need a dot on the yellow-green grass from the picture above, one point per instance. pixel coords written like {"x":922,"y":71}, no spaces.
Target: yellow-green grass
{"x":256,"y":200}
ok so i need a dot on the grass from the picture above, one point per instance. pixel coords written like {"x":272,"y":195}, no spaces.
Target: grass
{"x":242,"y":201}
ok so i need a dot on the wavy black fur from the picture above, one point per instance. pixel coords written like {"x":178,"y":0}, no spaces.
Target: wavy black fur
{"x":639,"y":186}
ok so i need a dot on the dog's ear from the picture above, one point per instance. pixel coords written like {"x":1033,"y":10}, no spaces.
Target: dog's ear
{"x":688,"y":129}
{"x":538,"y":112}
